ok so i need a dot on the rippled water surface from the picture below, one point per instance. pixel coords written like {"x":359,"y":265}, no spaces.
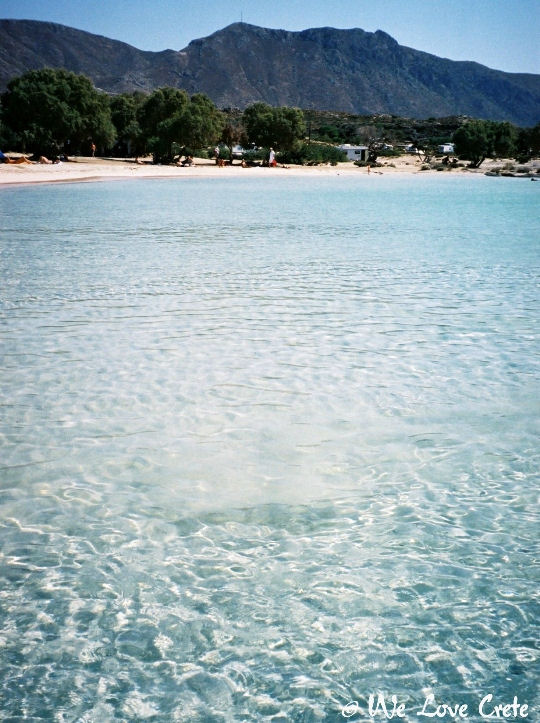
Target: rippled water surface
{"x":267,"y":447}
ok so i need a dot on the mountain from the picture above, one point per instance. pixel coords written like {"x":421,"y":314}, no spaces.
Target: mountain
{"x":322,"y":68}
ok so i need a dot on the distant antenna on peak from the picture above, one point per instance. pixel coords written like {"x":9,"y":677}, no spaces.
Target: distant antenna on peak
{"x":241,"y":16}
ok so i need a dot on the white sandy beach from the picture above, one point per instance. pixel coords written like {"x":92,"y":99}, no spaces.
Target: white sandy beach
{"x":92,"y":169}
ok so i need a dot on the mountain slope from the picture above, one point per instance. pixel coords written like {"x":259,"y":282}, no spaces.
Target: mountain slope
{"x":325,"y":68}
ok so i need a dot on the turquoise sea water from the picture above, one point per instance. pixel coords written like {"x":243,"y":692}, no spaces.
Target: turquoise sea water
{"x":268,"y":447}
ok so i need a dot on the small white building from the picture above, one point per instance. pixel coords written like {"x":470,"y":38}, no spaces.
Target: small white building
{"x":355,"y":153}
{"x":445,"y":148}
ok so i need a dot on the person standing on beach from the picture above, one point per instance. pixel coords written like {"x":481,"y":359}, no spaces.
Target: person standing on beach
{"x":216,"y":154}
{"x":272,"y":158}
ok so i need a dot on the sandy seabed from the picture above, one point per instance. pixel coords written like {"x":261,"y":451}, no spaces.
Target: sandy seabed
{"x":95,"y":169}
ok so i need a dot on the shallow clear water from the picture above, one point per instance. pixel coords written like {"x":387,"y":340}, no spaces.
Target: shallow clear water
{"x":267,"y":447}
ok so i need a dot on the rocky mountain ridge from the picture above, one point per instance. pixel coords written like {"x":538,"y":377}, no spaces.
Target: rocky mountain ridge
{"x":321,"y":68}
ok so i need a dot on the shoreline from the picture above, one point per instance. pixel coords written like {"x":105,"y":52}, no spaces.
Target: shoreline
{"x":87,"y":170}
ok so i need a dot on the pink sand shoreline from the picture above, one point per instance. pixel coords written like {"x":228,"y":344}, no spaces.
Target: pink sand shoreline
{"x":85,"y":170}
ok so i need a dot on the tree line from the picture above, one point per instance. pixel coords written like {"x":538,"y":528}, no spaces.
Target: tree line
{"x":53,"y":111}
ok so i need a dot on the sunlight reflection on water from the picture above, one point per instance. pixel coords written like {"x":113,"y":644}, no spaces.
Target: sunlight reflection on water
{"x":267,"y":447}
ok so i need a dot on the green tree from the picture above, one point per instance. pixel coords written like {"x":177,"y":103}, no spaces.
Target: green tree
{"x":258,"y":122}
{"x":170,"y":120}
{"x":124,"y":110}
{"x":266,"y":126}
{"x":233,"y":133}
{"x":159,"y":106}
{"x":155,"y":119}
{"x":329,"y":134}
{"x":504,"y":139}
{"x":200,"y":124}
{"x":477,"y":140}
{"x":52,"y":109}
{"x":473,"y":141}
{"x":528,"y":143}
{"x":3,"y":133}
{"x":289,"y":127}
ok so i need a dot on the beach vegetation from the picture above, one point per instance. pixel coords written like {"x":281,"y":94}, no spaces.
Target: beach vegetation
{"x":233,"y":133}
{"x":341,"y":127}
{"x":7,"y":137}
{"x":50,"y":111}
{"x":312,"y":154}
{"x":124,"y":111}
{"x":156,"y":118}
{"x":528,"y":143}
{"x":329,"y":133}
{"x":201,"y":124}
{"x":477,"y":140}
{"x":170,"y":119}
{"x":256,"y":156}
{"x":504,"y":139}
{"x":280,"y":128}
{"x":258,"y":120}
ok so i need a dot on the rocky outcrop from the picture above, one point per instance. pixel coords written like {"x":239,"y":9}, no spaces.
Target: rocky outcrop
{"x":323,"y":68}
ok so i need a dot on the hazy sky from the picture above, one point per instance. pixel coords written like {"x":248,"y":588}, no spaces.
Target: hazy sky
{"x":501,"y":34}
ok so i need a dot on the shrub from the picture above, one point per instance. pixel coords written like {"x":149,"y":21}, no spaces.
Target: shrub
{"x":363,"y":164}
{"x":389,"y":153}
{"x":312,"y":153}
{"x":260,"y":154}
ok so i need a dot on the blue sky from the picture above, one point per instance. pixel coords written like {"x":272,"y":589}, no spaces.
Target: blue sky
{"x":501,"y":34}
